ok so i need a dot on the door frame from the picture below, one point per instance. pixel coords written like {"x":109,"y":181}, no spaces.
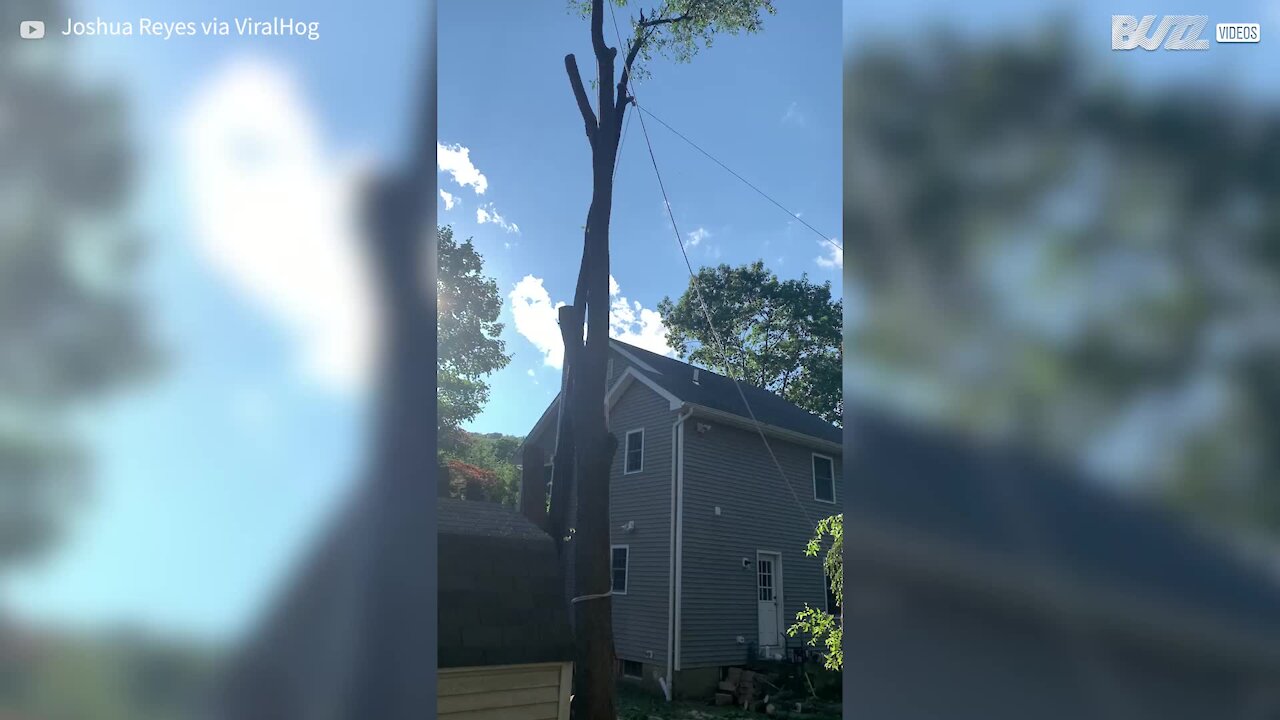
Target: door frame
{"x":778,"y":594}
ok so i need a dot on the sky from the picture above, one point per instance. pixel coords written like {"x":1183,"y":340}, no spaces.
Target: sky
{"x":211,"y":479}
{"x":516,"y":171}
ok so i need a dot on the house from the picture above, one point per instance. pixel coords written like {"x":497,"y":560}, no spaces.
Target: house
{"x":505,"y":646}
{"x":982,"y":582}
{"x":710,"y":514}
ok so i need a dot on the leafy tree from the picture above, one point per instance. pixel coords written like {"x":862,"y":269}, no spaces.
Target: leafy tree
{"x":678,"y":29}
{"x":484,"y":467}
{"x":781,"y":335}
{"x":468,"y":344}
{"x":821,"y":626}
{"x":71,"y":323}
{"x":1062,"y":260}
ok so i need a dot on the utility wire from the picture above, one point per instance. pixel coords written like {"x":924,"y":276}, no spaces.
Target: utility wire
{"x":707,"y":313}
{"x":730,"y":170}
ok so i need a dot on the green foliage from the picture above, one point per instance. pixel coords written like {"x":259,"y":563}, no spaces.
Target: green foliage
{"x":781,"y":335}
{"x":682,"y":27}
{"x":468,"y":345}
{"x":72,"y":328}
{"x":491,"y":471}
{"x":1071,"y":261}
{"x":821,"y":626}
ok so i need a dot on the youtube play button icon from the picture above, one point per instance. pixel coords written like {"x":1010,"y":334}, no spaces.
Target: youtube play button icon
{"x":31,"y":29}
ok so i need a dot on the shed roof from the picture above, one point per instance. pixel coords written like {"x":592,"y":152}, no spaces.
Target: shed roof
{"x":501,"y":597}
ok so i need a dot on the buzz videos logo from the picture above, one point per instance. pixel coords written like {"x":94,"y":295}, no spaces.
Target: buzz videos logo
{"x":1175,"y":32}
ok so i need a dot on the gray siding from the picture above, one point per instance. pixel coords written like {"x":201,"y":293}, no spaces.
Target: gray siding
{"x":727,"y":467}
{"x":640,"y":616}
{"x":546,"y":440}
{"x":730,"y":468}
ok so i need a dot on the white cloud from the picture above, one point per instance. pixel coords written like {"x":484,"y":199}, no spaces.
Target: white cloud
{"x":793,"y":116}
{"x":635,"y":324}
{"x":449,"y":199}
{"x":530,"y":371}
{"x":834,"y":257}
{"x":275,"y":216}
{"x":490,"y":215}
{"x":536,"y":319}
{"x":699,"y":235}
{"x":456,"y":160}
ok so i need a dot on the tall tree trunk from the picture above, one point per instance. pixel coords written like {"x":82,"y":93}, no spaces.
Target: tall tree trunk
{"x":593,"y":445}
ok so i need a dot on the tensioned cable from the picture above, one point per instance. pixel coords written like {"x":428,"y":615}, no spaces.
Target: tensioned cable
{"x":707,"y":313}
{"x":748,"y":183}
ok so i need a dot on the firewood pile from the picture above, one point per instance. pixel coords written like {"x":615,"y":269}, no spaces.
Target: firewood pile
{"x":757,"y":692}
{"x":746,"y":689}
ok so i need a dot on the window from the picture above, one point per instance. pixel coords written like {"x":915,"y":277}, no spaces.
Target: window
{"x":764,"y":571}
{"x":634,"y":458}
{"x":824,"y":479}
{"x":619,"y":568}
{"x":632,"y":669}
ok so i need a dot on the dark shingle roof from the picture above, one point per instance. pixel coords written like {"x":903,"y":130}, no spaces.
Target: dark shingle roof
{"x":718,"y":393}
{"x":1022,"y":509}
{"x":501,"y":597}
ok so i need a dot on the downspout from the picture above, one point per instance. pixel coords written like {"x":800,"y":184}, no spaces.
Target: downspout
{"x":677,"y":491}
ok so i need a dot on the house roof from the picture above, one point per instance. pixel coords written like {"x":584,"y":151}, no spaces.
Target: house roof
{"x":1025,"y":513}
{"x":717,"y":392}
{"x":501,"y":596}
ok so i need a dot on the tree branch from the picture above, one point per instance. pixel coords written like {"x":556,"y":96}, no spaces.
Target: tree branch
{"x":597,"y":28}
{"x":580,"y":94}
{"x":663,"y":21}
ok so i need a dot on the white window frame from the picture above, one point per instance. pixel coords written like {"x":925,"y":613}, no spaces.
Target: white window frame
{"x":813,"y":470}
{"x":626,"y":452}
{"x":626,"y":571}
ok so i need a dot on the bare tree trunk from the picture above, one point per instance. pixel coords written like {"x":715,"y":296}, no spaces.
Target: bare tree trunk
{"x":593,"y":446}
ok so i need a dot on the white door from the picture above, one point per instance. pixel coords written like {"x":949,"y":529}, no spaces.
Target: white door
{"x":769,"y":599}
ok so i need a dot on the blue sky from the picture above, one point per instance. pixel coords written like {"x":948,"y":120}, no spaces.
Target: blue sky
{"x":212,"y":478}
{"x":767,"y":105}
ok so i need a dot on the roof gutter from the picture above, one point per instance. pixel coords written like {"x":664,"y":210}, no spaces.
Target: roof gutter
{"x":782,"y":433}
{"x":677,"y":536}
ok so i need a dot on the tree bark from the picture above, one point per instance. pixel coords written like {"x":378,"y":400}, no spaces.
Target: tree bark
{"x":593,"y":446}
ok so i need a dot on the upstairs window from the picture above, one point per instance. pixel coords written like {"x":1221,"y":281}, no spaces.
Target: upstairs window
{"x":824,"y":479}
{"x":634,"y":458}
{"x":618,"y":565}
